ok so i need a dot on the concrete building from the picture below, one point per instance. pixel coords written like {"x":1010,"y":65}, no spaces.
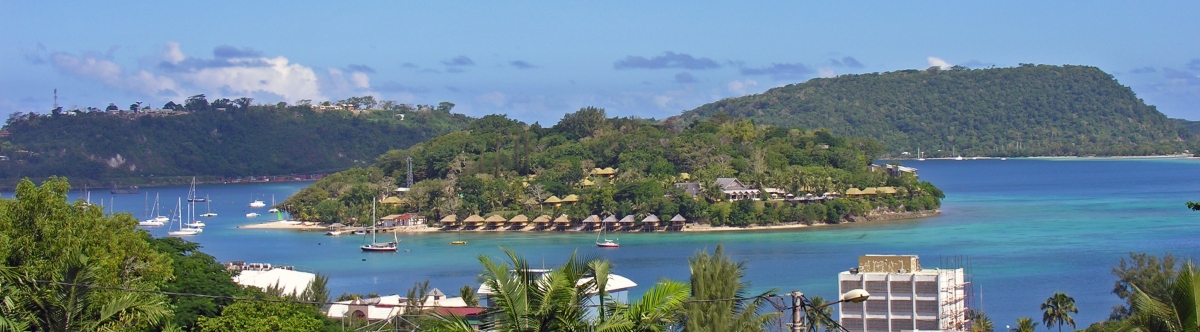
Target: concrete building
{"x":904,"y":297}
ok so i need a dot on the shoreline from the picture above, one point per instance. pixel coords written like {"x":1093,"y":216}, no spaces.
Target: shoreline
{"x":1167,"y":156}
{"x":696,"y":228}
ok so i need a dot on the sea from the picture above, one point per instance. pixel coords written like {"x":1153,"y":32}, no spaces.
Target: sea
{"x":1023,"y":229}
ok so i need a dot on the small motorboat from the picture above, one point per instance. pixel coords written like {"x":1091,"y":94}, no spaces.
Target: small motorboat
{"x":459,"y":242}
{"x":251,"y":215}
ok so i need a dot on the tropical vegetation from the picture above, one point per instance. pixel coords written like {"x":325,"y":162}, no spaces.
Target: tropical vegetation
{"x":1028,"y":110}
{"x":507,"y":167}
{"x":69,"y":266}
{"x":219,"y":139}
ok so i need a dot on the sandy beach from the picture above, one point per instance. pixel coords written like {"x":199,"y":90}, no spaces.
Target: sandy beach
{"x":787,"y":226}
{"x":307,"y":226}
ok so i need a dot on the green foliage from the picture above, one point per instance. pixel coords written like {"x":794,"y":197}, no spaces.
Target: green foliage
{"x":43,"y":237}
{"x":1021,"y":111}
{"x":980,"y":322}
{"x":1142,"y":271}
{"x":254,"y":140}
{"x":266,"y":316}
{"x":1025,"y":324}
{"x":1057,"y":311}
{"x":1175,"y":311}
{"x":500,"y":164}
{"x":717,"y":277}
{"x":196,"y":273}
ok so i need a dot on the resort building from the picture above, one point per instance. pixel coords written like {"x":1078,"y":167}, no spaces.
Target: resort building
{"x":735,"y":190}
{"x":690,"y":188}
{"x":387,"y":307}
{"x":904,"y":297}
{"x":407,"y":219}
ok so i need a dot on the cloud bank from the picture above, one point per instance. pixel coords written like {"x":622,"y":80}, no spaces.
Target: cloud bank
{"x":666,"y":60}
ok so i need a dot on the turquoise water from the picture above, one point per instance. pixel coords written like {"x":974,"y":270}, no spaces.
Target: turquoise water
{"x":1028,"y":227}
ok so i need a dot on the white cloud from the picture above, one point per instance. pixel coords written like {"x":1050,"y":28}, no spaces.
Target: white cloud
{"x":112,"y":74}
{"x":740,"y":87}
{"x":171,"y":53}
{"x":825,"y":72}
{"x":935,"y":61}
{"x":496,"y":99}
{"x":360,"y":80}
{"x":178,"y":75}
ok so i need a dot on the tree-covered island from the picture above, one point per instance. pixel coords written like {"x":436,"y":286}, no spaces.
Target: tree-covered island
{"x":590,"y":164}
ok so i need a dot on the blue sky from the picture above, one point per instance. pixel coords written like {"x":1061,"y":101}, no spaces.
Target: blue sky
{"x":536,"y":61}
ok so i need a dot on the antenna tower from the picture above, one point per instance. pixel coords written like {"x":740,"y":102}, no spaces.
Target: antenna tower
{"x":410,"y":180}
{"x":56,"y":99}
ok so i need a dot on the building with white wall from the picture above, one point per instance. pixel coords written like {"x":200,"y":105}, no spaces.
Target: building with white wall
{"x":904,"y":297}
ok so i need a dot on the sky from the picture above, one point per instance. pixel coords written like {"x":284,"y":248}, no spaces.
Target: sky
{"x":536,"y":61}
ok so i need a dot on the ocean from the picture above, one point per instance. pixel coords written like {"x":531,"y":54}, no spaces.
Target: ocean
{"x":1024,"y":228}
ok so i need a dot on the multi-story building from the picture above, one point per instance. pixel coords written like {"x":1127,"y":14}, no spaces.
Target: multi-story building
{"x":904,"y":297}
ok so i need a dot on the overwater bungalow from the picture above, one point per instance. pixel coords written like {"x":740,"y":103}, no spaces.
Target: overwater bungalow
{"x":473,"y":221}
{"x":650,"y":223}
{"x":610,"y":222}
{"x":541,"y":222}
{"x":677,"y":222}
{"x":450,"y":221}
{"x":518,"y":222}
{"x":562,"y":222}
{"x":627,"y":222}
{"x":495,"y":221}
{"x":591,"y":222}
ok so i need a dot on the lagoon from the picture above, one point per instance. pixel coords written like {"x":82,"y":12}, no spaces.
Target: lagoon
{"x":1028,"y":227}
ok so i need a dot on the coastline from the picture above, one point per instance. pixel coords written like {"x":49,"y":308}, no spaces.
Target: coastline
{"x":1167,"y":156}
{"x":877,"y":217}
{"x":889,"y":216}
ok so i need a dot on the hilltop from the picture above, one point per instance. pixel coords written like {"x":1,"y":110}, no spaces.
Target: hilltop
{"x":129,"y":147}
{"x":1029,"y":110}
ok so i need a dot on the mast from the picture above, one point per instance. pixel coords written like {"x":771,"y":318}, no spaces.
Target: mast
{"x":373,"y":222}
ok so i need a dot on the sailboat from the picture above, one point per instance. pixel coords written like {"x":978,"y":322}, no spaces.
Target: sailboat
{"x":209,"y":208}
{"x":273,"y":208}
{"x":192,"y":222}
{"x":158,"y":220}
{"x":377,"y":246}
{"x":919,"y":157}
{"x":606,"y":243}
{"x":192,"y":194}
{"x":179,"y":218}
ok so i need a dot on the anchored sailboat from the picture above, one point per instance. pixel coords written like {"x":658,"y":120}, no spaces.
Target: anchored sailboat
{"x":158,"y":220}
{"x":606,"y":243}
{"x":179,"y":220}
{"x":208,"y":208}
{"x":377,"y":246}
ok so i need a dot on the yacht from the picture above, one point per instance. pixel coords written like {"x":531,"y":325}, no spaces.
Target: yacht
{"x":257,"y":204}
{"x":251,"y":215}
{"x":182,"y":231}
{"x":379,"y":246}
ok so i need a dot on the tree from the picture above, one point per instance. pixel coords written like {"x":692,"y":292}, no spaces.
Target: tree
{"x":980,"y":322}
{"x":445,"y":106}
{"x":243,"y":103}
{"x":251,"y":315}
{"x":1057,"y":311}
{"x":819,"y":321}
{"x":525,"y":300}
{"x":717,"y":277}
{"x":1151,"y":274}
{"x":59,"y":307}
{"x":170,"y":105}
{"x":196,"y":103}
{"x":1025,"y":324}
{"x":197,"y":273}
{"x":582,"y":123}
{"x":111,"y":107}
{"x":1178,"y":310}
{"x":468,"y":295}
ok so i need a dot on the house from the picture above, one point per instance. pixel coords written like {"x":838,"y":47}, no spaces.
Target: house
{"x":775,"y":193}
{"x":735,"y":190}
{"x":407,"y":219}
{"x":893,"y":170}
{"x":617,"y":287}
{"x":691,"y":188}
{"x":386,"y":307}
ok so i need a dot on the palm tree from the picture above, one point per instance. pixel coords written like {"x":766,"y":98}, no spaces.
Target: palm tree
{"x":1178,"y":311}
{"x":58,"y":307}
{"x":1057,"y":311}
{"x":719,"y":301}
{"x":1025,"y":324}
{"x":980,"y":322}
{"x":819,"y":321}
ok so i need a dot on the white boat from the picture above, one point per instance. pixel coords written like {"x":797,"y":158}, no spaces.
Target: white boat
{"x":209,"y":208}
{"x":156,"y":221}
{"x":958,"y":158}
{"x":257,"y":204}
{"x":179,"y":218}
{"x":251,"y":215}
{"x":605,"y":243}
{"x":379,"y":246}
{"x":919,"y":156}
{"x":273,"y":209}
{"x":1003,"y":159}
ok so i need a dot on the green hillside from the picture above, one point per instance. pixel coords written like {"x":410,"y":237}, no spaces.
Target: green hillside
{"x":128,"y":148}
{"x":1028,"y":110}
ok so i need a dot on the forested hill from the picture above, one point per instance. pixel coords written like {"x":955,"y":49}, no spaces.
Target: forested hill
{"x":1027,"y":110}
{"x":107,"y":147}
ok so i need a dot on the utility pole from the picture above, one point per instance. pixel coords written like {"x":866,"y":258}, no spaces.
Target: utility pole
{"x":797,"y":311}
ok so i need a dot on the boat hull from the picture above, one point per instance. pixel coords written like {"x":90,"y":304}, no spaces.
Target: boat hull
{"x":378,"y":249}
{"x":607,"y":245}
